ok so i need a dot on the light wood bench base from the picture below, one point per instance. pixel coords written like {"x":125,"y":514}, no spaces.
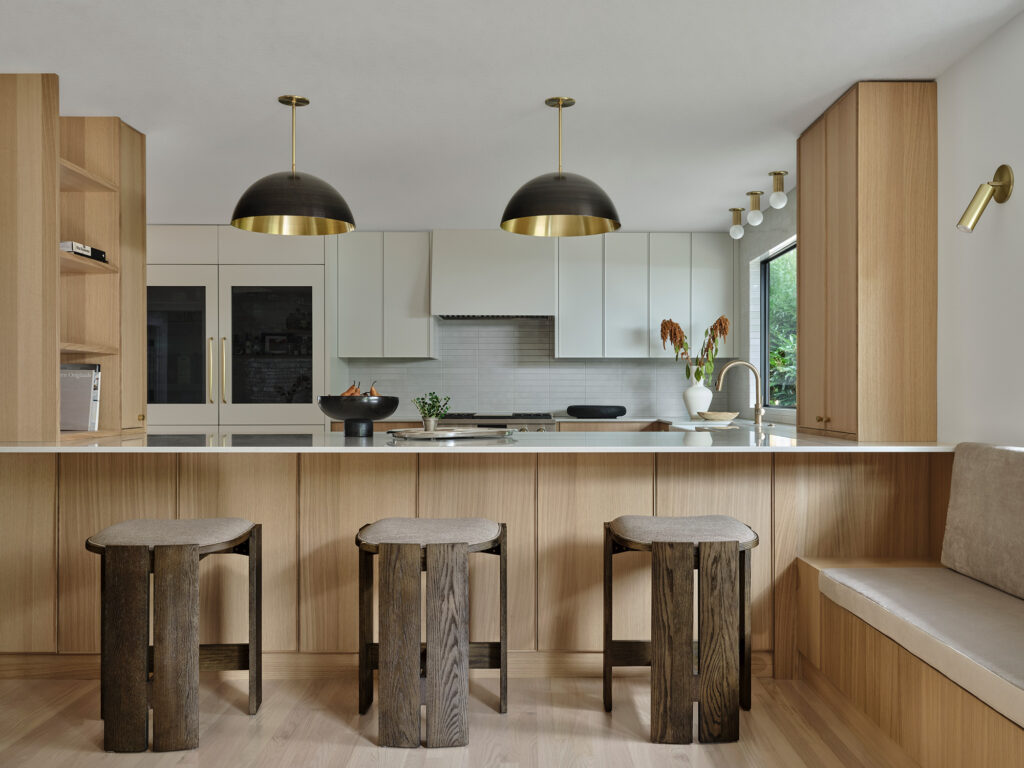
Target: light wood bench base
{"x":937,"y":722}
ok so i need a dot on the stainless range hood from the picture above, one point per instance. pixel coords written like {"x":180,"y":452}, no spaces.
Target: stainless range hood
{"x":492,"y":273}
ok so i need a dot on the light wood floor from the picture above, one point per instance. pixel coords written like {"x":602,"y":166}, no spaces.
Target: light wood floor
{"x":551,"y":722}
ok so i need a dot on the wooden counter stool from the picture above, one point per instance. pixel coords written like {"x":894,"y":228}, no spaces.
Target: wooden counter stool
{"x":718,"y":548}
{"x":406,"y":547}
{"x":171,"y":551}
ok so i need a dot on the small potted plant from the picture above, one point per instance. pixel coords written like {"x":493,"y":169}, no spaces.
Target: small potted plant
{"x":698,"y":396}
{"x":431,"y":407}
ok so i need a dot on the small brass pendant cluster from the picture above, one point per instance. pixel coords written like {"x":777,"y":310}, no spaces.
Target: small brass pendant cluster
{"x":777,"y":199}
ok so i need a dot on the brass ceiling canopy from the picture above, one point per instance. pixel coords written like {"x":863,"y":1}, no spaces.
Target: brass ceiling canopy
{"x":290,"y":203}
{"x":560,"y":204}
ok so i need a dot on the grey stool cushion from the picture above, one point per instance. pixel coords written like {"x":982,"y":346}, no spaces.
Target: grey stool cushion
{"x":210,"y":534}
{"x":477,"y":532}
{"x":985,"y":520}
{"x":641,"y":530}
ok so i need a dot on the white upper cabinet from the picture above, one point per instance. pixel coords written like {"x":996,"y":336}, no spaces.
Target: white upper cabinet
{"x":360,"y":294}
{"x":712,"y":288}
{"x":626,"y":310}
{"x":224,"y":244}
{"x":579,"y":325}
{"x":181,"y":244}
{"x":669,"y":257}
{"x":382,"y":295}
{"x":408,"y":324}
{"x":236,"y":246}
{"x":492,"y":272}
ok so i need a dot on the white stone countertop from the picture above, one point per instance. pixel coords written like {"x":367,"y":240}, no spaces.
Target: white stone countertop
{"x":682,"y":437}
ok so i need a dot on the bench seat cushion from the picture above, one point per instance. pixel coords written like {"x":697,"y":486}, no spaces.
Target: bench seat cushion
{"x":970,"y":632}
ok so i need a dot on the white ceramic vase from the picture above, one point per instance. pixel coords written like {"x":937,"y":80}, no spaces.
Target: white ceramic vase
{"x":696,"y":398}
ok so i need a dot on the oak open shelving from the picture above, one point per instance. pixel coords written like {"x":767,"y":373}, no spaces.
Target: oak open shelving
{"x":80,"y":179}
{"x":72,"y":263}
{"x":75,"y":178}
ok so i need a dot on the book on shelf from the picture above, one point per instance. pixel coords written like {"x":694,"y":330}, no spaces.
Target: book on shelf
{"x":71,"y":246}
{"x":79,"y":397}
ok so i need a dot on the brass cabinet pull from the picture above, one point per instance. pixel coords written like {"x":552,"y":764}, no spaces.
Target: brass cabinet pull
{"x":828,"y":419}
{"x":209,"y":368}
{"x":819,"y":418}
{"x":223,"y":369}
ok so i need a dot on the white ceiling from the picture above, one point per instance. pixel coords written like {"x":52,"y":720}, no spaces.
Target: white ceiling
{"x":429,"y":115}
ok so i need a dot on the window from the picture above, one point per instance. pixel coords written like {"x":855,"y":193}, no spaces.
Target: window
{"x":778,"y":329}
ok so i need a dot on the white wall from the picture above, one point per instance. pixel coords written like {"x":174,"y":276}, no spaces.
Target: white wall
{"x":981,"y":275}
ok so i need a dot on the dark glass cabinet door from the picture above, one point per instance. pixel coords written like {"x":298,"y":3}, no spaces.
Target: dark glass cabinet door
{"x":181,"y":330}
{"x":271,"y":344}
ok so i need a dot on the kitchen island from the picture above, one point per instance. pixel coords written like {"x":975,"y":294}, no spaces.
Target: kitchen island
{"x":803,"y":495}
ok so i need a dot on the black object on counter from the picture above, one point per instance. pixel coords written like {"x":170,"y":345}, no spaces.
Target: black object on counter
{"x":357,"y":412}
{"x":596,"y":411}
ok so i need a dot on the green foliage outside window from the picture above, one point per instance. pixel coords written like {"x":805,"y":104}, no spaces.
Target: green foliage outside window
{"x":781,"y":331}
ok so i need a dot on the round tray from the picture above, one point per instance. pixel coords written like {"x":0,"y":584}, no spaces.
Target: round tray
{"x":451,"y":433}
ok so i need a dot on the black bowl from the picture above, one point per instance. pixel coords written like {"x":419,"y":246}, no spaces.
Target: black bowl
{"x":596,"y":411}
{"x":358,"y":412}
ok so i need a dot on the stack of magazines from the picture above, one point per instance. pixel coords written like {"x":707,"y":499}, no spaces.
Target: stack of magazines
{"x":79,"y":397}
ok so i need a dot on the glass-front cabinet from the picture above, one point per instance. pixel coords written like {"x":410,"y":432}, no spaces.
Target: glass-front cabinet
{"x":235,"y":345}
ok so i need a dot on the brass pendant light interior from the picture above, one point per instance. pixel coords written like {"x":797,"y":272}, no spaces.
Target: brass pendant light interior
{"x":291,"y":203}
{"x":560,"y":204}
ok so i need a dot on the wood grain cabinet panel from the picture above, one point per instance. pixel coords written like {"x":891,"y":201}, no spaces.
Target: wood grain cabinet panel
{"x":338,"y":495}
{"x":97,"y":490}
{"x":576,"y":495}
{"x":501,"y":487}
{"x":263,"y":488}
{"x":735,"y":484}
{"x":28,"y":553}
{"x":843,"y":505}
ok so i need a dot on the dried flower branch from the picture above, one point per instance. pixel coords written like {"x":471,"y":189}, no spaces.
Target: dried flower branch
{"x":705,"y":364}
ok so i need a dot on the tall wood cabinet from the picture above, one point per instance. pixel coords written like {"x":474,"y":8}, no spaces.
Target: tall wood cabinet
{"x":867,"y":232}
{"x":69,"y":178}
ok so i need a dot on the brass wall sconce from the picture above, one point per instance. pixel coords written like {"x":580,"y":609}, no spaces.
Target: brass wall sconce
{"x":999,"y":189}
{"x":736,"y":230}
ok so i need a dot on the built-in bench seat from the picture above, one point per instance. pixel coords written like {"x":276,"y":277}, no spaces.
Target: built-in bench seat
{"x":970,"y":632}
{"x":934,"y":652}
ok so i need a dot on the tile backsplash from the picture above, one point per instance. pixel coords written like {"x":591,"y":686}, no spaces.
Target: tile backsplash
{"x":500,"y":365}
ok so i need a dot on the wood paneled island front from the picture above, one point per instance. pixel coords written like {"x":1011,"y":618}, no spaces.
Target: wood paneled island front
{"x":803,"y":497}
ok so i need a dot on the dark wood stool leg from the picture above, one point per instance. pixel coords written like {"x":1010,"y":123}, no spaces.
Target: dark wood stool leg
{"x":175,"y":647}
{"x":672,"y":642}
{"x":365,"y":630}
{"x":255,"y":619}
{"x":399,"y":675}
{"x":447,"y":645}
{"x":503,"y":596}
{"x":718,"y":620}
{"x":124,"y":661}
{"x":745,"y":631}
{"x":607,"y":618}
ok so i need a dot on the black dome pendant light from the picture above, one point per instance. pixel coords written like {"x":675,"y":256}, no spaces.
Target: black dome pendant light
{"x":560,"y":204}
{"x":293,"y":203}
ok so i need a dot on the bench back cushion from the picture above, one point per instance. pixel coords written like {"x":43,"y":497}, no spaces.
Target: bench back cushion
{"x":985,"y":522}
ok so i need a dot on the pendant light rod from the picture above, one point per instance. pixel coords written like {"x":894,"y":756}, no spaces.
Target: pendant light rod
{"x":559,"y":102}
{"x":293,"y":102}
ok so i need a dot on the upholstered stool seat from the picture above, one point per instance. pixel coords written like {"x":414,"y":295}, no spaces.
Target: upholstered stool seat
{"x":165,"y":677}
{"x":718,"y":548}
{"x":477,"y":533}
{"x":436,"y":674}
{"x":209,"y":534}
{"x":640,"y":531}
